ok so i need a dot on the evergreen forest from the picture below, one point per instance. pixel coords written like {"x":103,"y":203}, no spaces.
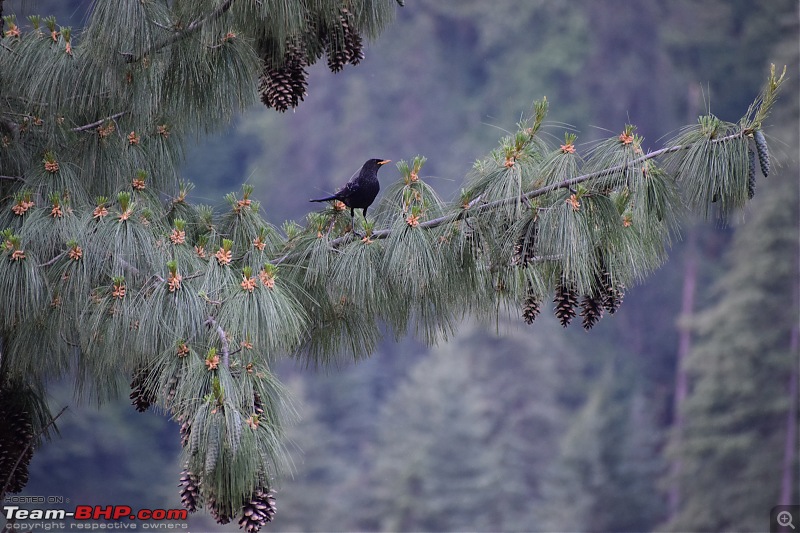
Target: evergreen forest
{"x":527,"y":368}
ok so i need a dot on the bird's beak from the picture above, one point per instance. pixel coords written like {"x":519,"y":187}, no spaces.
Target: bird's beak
{"x":384,"y":161}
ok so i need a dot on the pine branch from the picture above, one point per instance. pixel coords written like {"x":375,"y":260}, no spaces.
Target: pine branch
{"x":14,"y":127}
{"x":179,"y":35}
{"x":11,"y":178}
{"x":53,"y":260}
{"x":566,"y":184}
{"x":99,"y":122}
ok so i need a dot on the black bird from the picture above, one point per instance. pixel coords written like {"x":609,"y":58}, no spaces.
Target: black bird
{"x":361,"y":190}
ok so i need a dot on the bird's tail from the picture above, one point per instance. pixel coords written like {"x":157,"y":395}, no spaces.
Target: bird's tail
{"x":326,"y":199}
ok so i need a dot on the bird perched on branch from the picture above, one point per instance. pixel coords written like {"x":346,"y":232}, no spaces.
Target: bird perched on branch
{"x":361,"y":190}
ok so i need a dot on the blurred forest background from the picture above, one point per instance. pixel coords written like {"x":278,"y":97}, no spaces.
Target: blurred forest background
{"x":677,"y":413}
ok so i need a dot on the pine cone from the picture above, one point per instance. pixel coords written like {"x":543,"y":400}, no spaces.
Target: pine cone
{"x":525,"y":246}
{"x":611,"y":295}
{"x":258,"y":406}
{"x":16,"y":439}
{"x":141,"y":398}
{"x":259,"y":510}
{"x":566,"y":299}
{"x":751,"y":174}
{"x":190,"y":490}
{"x":285,"y":87}
{"x":337,"y":59}
{"x":186,"y":431}
{"x":763,"y":151}
{"x":353,"y":46}
{"x":16,"y":444}
{"x":531,"y":307}
{"x":348,"y":48}
{"x":591,"y":311}
{"x":222,"y":516}
{"x":172,"y":389}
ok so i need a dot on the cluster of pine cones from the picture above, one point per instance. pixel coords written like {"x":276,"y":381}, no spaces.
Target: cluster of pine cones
{"x":566,"y":300}
{"x":16,"y":441}
{"x":608,"y":296}
{"x":283,"y":83}
{"x":256,"y":511}
{"x":763,"y":160}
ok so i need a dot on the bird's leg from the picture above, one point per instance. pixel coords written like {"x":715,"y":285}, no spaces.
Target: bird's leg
{"x":353,"y":222}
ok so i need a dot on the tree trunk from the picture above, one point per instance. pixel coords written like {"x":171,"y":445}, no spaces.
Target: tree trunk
{"x":684,"y":338}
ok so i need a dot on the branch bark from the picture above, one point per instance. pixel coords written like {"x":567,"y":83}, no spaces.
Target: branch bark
{"x":99,"y":122}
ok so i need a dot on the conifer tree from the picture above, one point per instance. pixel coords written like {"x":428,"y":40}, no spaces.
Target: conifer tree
{"x":419,"y":482}
{"x":109,"y":273}
{"x":604,"y":478}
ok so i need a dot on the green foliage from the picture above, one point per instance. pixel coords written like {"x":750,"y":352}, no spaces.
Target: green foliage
{"x":202,"y":304}
{"x":128,"y":284}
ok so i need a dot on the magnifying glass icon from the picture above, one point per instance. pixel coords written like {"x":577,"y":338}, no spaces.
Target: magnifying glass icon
{"x":785,"y":519}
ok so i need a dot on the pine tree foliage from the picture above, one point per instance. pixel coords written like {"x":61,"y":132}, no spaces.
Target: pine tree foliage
{"x":107,"y":269}
{"x":126,"y":284}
